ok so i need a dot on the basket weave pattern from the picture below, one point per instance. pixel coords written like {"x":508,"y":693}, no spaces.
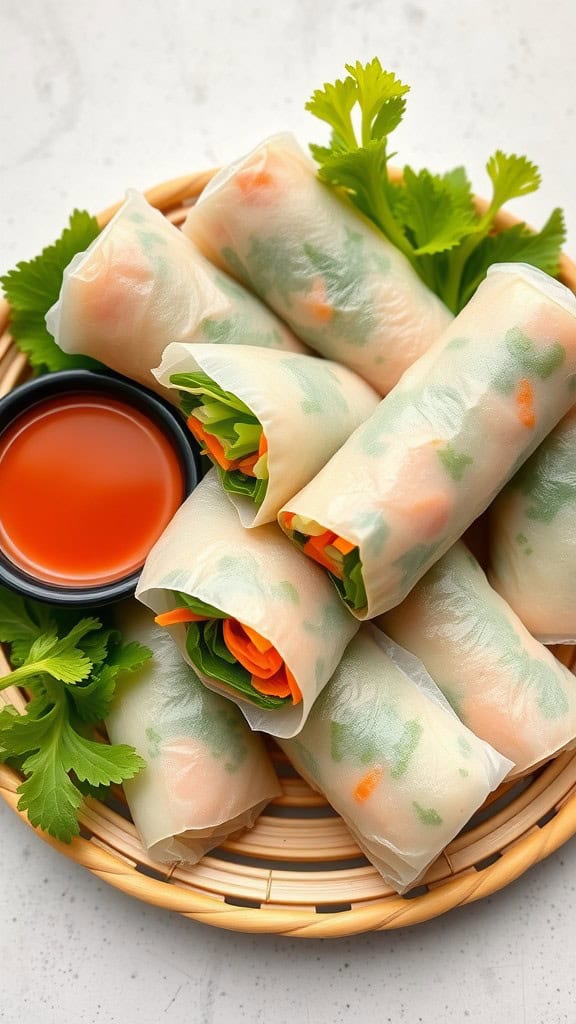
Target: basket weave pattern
{"x":298,"y":872}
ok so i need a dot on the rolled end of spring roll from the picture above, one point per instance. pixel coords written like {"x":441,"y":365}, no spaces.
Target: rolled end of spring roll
{"x":269,"y":420}
{"x":533,"y":538}
{"x":342,"y":287}
{"x":503,"y":684}
{"x":390,"y":755}
{"x":143,"y":284}
{"x":442,"y":444}
{"x":207,"y":775}
{"x":257,"y":621}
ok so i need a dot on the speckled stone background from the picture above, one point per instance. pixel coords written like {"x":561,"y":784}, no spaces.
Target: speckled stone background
{"x":103,"y":95}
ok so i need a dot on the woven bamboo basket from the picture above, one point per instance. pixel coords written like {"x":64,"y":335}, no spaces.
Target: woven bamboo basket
{"x":298,"y":872}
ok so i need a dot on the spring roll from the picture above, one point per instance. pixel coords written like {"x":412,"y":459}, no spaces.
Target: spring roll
{"x":441,"y":445}
{"x":257,"y":621}
{"x":142,"y":284}
{"x":207,"y":775}
{"x":342,"y":287}
{"x":268,"y":420}
{"x":392,"y":758}
{"x":504,"y":685}
{"x":533,"y":538}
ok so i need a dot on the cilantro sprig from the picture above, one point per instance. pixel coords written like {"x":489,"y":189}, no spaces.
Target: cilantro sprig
{"x":431,"y":218}
{"x":70,"y":669}
{"x":34,"y":286}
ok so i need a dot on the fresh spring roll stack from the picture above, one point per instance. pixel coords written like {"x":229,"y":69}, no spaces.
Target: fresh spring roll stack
{"x":142,"y":284}
{"x":269,"y":420}
{"x":442,"y":444}
{"x":533,"y":538}
{"x":259,"y":622}
{"x":342,"y":287}
{"x":393,"y":759}
{"x":503,"y":684}
{"x":207,"y":775}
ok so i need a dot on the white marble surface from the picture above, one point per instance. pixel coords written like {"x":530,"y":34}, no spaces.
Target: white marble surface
{"x":100,"y":96}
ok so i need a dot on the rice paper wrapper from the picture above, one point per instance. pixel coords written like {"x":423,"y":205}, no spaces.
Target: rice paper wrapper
{"x":142,"y":284}
{"x":533,"y":538}
{"x":460,"y":423}
{"x":259,"y":578}
{"x":503,"y":684}
{"x":393,"y":759}
{"x":307,"y":407}
{"x":207,"y":775}
{"x":340,"y":284}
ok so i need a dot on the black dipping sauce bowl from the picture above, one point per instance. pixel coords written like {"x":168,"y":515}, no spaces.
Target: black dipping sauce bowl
{"x":95,"y":404}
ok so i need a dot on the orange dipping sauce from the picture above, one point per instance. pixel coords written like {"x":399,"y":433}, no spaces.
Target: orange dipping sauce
{"x":87,"y":485}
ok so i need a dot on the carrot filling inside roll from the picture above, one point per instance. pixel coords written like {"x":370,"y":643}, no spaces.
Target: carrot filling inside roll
{"x":228,"y":432}
{"x":233,"y":653}
{"x":337,"y":555}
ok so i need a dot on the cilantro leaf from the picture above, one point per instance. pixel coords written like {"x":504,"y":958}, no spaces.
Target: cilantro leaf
{"x":33,"y":286}
{"x":71,"y":669}
{"x":430,"y":218}
{"x":511,"y":176}
{"x":20,"y":623}
{"x":58,"y":657}
{"x":363,"y":173}
{"x":333,"y":104}
{"x":516,"y":244}
{"x":92,"y":699}
{"x":380,"y":96}
{"x":96,"y":644}
{"x":435,"y":210}
{"x":55,"y":749}
{"x":98,"y":764}
{"x":131,"y":657}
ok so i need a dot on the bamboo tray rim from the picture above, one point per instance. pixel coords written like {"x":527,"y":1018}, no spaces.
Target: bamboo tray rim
{"x":539,"y":819}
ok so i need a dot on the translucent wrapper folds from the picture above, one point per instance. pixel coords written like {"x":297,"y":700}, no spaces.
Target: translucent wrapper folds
{"x":533,"y":538}
{"x":442,"y":444}
{"x":502,"y":683}
{"x":392,"y":758}
{"x":273,"y":421}
{"x":342,"y":287}
{"x":259,"y":622}
{"x":207,"y":775}
{"x":142,"y":284}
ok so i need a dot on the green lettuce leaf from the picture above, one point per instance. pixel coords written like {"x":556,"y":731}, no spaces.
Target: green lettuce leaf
{"x":227,"y":418}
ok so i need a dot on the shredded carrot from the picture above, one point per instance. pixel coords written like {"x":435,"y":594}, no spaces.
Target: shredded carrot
{"x":254,"y":652}
{"x":294,"y":688}
{"x":525,"y":404}
{"x":282,"y":684}
{"x":263,"y":664}
{"x":252,"y":180}
{"x":317,"y":553}
{"x":317,"y":302}
{"x":343,"y":546}
{"x":211,"y":443}
{"x":368,"y":783}
{"x":275,"y":686}
{"x":214,"y":448}
{"x":246,"y":465}
{"x":179,"y":615}
{"x":260,"y":642}
{"x":287,"y":518}
{"x":315,"y":547}
{"x":323,"y":539}
{"x":262,"y":445}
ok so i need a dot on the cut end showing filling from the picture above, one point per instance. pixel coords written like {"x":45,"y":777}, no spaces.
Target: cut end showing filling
{"x":234,"y":654}
{"x":337,"y":555}
{"x":228,"y":432}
